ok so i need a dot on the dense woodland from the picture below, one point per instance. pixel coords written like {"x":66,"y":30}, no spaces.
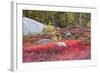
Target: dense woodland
{"x":59,"y":19}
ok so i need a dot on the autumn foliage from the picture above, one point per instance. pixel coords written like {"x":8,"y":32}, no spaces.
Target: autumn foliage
{"x":75,"y":50}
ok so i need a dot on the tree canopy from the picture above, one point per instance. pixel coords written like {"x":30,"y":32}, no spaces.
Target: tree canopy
{"x":59,"y":19}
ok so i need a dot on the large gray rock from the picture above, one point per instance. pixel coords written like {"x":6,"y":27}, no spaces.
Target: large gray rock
{"x":31,"y":26}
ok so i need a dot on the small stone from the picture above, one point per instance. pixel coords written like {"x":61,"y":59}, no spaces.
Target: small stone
{"x":61,"y":44}
{"x":44,"y":41}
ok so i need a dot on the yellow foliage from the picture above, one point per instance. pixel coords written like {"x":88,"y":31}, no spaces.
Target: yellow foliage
{"x":55,"y":38}
{"x":49,"y":28}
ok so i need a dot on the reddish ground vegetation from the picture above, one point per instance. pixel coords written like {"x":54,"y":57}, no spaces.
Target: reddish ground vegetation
{"x":76,"y":49}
